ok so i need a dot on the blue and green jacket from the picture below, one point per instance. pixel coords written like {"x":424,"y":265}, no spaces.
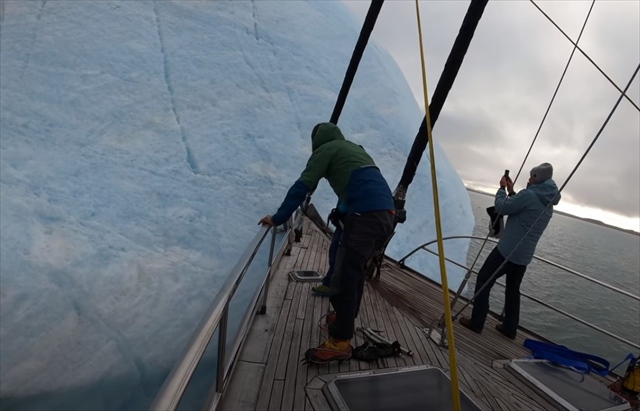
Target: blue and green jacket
{"x":351,"y":173}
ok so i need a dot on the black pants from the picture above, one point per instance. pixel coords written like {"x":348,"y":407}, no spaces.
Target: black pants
{"x":333,"y":251}
{"x":514,"y":273}
{"x":362,"y":236}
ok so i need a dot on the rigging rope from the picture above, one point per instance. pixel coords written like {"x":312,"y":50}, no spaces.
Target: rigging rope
{"x":495,"y":273}
{"x":455,"y":391}
{"x":365,"y":33}
{"x":575,"y":46}
{"x":585,"y":54}
{"x":445,"y":82}
{"x":469,"y":271}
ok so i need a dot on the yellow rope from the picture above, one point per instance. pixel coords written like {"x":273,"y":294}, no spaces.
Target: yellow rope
{"x":455,"y":393}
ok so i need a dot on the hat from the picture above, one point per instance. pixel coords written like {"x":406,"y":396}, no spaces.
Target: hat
{"x":542,"y":173}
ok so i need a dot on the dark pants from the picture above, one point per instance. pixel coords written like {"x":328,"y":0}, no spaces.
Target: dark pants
{"x":333,"y":251}
{"x":514,"y":273}
{"x":363,"y":235}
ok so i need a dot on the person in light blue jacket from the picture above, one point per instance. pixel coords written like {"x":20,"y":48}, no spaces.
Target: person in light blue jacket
{"x":529,"y":213}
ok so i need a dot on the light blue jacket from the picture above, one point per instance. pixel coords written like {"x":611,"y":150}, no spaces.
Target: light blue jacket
{"x":523,"y":210}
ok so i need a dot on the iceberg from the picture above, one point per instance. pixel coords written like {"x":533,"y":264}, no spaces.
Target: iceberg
{"x":141,"y":141}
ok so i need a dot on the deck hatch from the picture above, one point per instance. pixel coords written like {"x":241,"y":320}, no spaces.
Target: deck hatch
{"x":567,"y":388}
{"x":302,"y":276}
{"x":410,"y":389}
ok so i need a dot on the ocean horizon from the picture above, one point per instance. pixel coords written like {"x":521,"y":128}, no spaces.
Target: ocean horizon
{"x":588,"y":220}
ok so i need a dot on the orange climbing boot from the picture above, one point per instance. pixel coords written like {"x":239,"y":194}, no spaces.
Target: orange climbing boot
{"x":331,"y":350}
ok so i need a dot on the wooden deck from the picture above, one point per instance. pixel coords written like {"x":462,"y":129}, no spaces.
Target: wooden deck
{"x":269,"y":375}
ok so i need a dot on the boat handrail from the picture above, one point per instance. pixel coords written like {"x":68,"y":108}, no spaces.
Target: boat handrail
{"x":569,"y":270}
{"x":551,"y":307}
{"x":216,"y":317}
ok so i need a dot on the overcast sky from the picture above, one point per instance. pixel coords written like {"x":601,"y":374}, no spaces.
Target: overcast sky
{"x":507,"y":80}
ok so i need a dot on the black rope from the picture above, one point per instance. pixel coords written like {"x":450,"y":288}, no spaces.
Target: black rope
{"x":445,"y":82}
{"x":585,"y":54}
{"x":365,"y":33}
{"x":593,"y":142}
{"x":449,"y":73}
{"x":358,"y":51}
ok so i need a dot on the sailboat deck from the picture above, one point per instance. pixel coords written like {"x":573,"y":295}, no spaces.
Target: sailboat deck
{"x":269,"y":375}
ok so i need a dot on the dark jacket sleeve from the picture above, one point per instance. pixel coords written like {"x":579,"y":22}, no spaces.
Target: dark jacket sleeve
{"x":308,"y":181}
{"x":296,"y":195}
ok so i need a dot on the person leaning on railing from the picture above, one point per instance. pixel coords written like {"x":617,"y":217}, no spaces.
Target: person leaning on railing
{"x":368,"y":222}
{"x":529,"y":211}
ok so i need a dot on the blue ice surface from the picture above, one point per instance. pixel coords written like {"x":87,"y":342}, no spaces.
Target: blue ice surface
{"x":140,"y":143}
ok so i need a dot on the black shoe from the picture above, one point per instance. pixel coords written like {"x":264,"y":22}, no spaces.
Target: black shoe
{"x":466,"y":322}
{"x":500,"y":328}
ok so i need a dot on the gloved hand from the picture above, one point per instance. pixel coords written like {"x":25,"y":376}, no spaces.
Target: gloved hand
{"x":510,"y":186}
{"x":336,"y":217}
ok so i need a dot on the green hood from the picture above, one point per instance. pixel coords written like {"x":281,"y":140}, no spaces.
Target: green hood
{"x":323,"y":133}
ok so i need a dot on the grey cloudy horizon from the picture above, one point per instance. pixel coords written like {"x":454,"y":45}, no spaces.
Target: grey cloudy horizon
{"x":507,"y":80}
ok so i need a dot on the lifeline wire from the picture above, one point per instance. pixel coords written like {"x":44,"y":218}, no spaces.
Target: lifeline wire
{"x":585,"y":54}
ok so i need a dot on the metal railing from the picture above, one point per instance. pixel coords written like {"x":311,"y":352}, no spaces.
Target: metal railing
{"x":216,"y":318}
{"x":551,"y":307}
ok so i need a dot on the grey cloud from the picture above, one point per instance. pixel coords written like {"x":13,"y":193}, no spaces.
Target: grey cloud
{"x":509,"y":75}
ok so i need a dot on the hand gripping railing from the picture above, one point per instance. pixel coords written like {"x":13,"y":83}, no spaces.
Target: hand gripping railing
{"x":216,"y":317}
{"x":558,"y":310}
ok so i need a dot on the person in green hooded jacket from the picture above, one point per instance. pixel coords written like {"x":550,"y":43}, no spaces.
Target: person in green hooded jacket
{"x":365,"y":200}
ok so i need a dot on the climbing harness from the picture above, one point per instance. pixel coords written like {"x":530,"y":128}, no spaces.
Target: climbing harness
{"x":376,"y":337}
